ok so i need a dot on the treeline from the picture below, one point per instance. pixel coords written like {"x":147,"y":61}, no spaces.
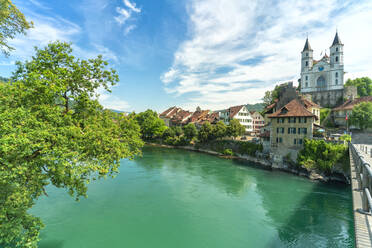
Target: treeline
{"x":153,"y":129}
{"x":208,"y":136}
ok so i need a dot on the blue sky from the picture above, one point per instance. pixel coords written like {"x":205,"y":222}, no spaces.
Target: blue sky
{"x":208,"y":53}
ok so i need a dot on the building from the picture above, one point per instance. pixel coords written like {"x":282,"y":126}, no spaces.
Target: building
{"x":240,"y":113}
{"x":290,"y":125}
{"x":258,"y":121}
{"x":340,"y":113}
{"x":323,"y":79}
{"x":168,"y":114}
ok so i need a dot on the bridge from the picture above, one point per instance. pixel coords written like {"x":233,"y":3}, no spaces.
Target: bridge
{"x":361,"y":182}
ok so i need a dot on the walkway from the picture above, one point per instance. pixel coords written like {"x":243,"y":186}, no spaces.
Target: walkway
{"x":362,"y":220}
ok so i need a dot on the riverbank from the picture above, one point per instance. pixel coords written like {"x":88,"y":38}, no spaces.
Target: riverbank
{"x":268,"y":164}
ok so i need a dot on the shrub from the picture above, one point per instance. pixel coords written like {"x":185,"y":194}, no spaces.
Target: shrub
{"x":317,"y":154}
{"x":228,"y":152}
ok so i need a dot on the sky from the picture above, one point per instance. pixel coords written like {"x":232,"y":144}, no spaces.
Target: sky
{"x":188,"y":53}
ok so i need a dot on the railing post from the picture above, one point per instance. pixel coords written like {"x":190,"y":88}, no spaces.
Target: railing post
{"x":365,"y":184}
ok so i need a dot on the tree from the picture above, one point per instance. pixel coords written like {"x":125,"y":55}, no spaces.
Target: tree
{"x":152,"y":127}
{"x":206,"y":132}
{"x":364,"y":85}
{"x":362,"y":115}
{"x":12,"y":22}
{"x":271,"y":96}
{"x":45,"y":139}
{"x":235,"y":129}
{"x":324,"y":113}
{"x":190,"y":131}
{"x":219,"y":130}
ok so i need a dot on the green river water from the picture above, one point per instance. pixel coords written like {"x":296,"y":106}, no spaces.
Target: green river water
{"x":179,"y":199}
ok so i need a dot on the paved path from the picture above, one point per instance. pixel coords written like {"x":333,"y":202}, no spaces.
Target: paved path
{"x":363,"y":222}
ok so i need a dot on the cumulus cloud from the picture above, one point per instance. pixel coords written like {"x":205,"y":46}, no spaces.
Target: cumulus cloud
{"x":238,"y":49}
{"x":132,"y":6}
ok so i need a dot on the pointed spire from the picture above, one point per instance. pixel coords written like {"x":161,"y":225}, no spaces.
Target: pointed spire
{"x":336,"y":40}
{"x":307,"y":46}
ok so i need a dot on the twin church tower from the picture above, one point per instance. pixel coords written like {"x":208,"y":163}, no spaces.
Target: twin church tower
{"x":324,"y":79}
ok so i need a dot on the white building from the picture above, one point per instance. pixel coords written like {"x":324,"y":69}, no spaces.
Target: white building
{"x":240,"y":113}
{"x":326,"y":74}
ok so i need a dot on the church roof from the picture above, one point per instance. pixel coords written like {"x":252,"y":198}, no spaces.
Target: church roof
{"x":307,"y":46}
{"x":336,"y":40}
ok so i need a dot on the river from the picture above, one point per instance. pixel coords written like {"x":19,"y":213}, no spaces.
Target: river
{"x":174,"y":198}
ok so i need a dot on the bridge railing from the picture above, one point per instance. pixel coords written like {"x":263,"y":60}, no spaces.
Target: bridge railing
{"x":364,"y":176}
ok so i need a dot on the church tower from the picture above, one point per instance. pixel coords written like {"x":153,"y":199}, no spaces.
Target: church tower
{"x":306,"y":64}
{"x":337,"y":62}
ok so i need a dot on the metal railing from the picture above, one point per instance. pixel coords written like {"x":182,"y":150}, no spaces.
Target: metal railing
{"x":364,"y":176}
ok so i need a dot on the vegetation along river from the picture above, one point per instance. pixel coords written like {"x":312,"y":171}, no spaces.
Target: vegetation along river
{"x":176,"y":198}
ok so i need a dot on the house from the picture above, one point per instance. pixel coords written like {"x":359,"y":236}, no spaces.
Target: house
{"x":168,"y":114}
{"x":290,"y":125}
{"x":346,"y":109}
{"x":240,"y":113}
{"x":258,"y":121}
{"x":181,"y":118}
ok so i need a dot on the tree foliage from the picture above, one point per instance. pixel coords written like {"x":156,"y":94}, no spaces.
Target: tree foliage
{"x":12,"y":22}
{"x":219,"y":130}
{"x":235,"y":129}
{"x":206,"y":132}
{"x":152,"y":127}
{"x":317,"y":154}
{"x":54,"y":131}
{"x":364,"y":85}
{"x":190,"y":131}
{"x":324,"y":112}
{"x":362,"y":115}
{"x":271,"y":96}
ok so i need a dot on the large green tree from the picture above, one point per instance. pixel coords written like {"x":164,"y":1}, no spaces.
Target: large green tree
{"x":235,"y":129}
{"x":152,"y":127}
{"x":362,"y":115}
{"x":271,"y":96}
{"x":54,"y":131}
{"x":190,"y":131}
{"x":205,"y":133}
{"x":219,"y":130}
{"x":364,"y":85}
{"x":12,"y":22}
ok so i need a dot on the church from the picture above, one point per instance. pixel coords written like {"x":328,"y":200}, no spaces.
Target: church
{"x":323,"y":79}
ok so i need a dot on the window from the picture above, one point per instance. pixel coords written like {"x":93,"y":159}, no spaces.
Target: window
{"x":282,"y":129}
{"x":307,"y":54}
{"x":306,"y":77}
{"x":307,"y":84}
{"x":336,"y":74}
{"x":300,"y":141}
{"x":336,"y":81}
{"x":302,"y":130}
{"x":336,"y":49}
{"x":306,"y":63}
{"x":294,"y":141}
{"x":336,"y":58}
{"x":291,"y":119}
{"x":277,"y":130}
{"x":280,"y":140}
{"x":280,"y":120}
{"x":291,"y":130}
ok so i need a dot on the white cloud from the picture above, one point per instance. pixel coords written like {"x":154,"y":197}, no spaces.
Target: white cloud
{"x":237,"y":49}
{"x":132,"y":6}
{"x":125,"y":14}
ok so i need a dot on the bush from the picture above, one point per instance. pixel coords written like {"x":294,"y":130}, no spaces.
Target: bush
{"x":249,"y":148}
{"x":317,"y":154}
{"x":228,"y":152}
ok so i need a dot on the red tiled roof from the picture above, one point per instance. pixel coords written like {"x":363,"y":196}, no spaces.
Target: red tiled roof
{"x":309,"y":103}
{"x":234,"y":110}
{"x":292,"y":109}
{"x":349,"y":104}
{"x":169,"y":113}
{"x":197,"y":115}
{"x":181,"y":117}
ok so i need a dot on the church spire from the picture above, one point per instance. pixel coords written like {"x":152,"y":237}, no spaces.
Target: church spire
{"x":307,"y":46}
{"x":336,"y":40}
